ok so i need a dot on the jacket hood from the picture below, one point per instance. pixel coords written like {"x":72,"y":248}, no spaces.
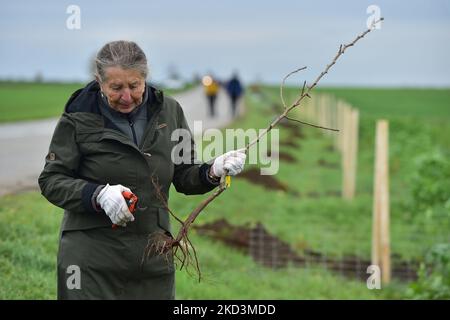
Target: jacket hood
{"x":87,"y":99}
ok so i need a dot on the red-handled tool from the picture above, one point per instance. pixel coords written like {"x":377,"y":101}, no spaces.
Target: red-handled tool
{"x":131,"y":199}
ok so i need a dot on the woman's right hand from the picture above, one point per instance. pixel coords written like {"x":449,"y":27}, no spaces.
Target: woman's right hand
{"x":232,"y":161}
{"x":112,"y":201}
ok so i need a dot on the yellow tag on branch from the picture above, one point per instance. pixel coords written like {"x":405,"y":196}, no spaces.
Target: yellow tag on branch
{"x":228,"y":181}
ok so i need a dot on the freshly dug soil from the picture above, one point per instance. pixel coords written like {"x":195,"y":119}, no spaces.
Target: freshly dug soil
{"x":253,"y":175}
{"x":325,"y":164}
{"x":270,"y":251}
{"x":283,"y":156}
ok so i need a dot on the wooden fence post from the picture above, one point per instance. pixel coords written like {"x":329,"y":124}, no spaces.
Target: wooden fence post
{"x":326,"y":113}
{"x":320,"y":112}
{"x":334,"y":122}
{"x":305,"y":108}
{"x":349,"y":152}
{"x":340,"y":121}
{"x":380,"y":228}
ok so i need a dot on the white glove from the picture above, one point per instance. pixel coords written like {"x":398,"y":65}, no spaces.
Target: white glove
{"x":112,"y":201}
{"x":233,"y":161}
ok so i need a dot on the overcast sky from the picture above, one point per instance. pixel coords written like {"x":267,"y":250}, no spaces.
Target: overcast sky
{"x":261,"y":39}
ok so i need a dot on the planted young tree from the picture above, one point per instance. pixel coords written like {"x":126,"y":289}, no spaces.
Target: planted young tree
{"x":181,"y":247}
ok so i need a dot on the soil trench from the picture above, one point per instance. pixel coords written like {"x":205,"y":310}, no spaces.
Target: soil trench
{"x":253,"y":175}
{"x":269,"y":182}
{"x":270,"y":251}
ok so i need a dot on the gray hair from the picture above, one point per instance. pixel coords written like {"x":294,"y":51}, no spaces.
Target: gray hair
{"x":124,"y":54}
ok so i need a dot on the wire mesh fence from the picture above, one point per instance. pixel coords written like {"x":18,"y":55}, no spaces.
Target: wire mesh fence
{"x":272,"y":252}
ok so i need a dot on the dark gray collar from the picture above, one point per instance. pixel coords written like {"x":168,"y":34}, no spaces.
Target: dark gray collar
{"x":128,"y":116}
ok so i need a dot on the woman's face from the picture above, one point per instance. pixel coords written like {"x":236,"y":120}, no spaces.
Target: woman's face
{"x":123,"y":88}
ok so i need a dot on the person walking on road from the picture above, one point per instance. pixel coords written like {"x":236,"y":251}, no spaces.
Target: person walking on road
{"x":234,"y":90}
{"x":112,"y":140}
{"x":211,"y":87}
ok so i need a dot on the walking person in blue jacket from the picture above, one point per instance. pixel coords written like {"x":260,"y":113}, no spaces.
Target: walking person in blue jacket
{"x":234,"y":90}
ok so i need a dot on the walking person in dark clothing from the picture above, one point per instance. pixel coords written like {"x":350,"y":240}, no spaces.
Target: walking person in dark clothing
{"x":235,"y":90}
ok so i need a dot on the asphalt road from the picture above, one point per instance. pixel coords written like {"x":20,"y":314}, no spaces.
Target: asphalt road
{"x":24,"y":145}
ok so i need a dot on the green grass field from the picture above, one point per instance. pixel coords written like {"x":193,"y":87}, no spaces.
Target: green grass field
{"x":30,"y":101}
{"x":29,"y":225}
{"x":27,"y":101}
{"x":29,"y":233}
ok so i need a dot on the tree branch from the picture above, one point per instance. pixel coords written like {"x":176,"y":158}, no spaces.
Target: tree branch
{"x":162,"y":244}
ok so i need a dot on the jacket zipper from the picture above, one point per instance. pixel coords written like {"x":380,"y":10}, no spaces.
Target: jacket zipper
{"x":150,"y":130}
{"x":131,"y":123}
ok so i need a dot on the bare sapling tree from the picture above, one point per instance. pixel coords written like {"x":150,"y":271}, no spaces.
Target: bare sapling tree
{"x":180,"y":248}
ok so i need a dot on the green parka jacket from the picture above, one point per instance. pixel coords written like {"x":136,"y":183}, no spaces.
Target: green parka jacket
{"x":87,"y":151}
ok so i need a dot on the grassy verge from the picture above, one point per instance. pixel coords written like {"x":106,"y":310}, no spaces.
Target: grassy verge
{"x":29,"y":231}
{"x":32,"y":101}
{"x":29,"y":240}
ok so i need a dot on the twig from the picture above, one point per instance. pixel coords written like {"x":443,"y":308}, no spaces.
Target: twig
{"x":284,"y":80}
{"x":310,"y":124}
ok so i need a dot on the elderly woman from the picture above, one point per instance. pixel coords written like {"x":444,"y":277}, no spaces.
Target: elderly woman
{"x":115,"y":136}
